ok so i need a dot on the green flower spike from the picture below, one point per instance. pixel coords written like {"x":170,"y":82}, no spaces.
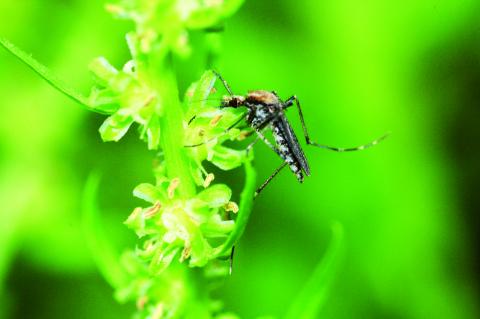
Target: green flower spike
{"x":186,"y":229}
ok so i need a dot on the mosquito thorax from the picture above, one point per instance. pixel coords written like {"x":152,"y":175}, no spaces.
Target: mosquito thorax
{"x":262,"y":97}
{"x":233,"y":101}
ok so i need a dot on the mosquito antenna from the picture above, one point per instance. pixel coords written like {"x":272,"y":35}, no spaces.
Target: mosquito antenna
{"x":200,"y":144}
{"x":199,"y":101}
{"x":351,"y":149}
{"x":225,"y":84}
{"x":216,"y":99}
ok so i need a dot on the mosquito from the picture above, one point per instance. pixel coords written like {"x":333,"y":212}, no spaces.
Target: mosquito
{"x":265,"y":110}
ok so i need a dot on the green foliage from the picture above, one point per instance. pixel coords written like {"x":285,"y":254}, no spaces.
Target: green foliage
{"x":187,"y":230}
{"x":358,"y":71}
{"x":99,"y":244}
{"x":174,"y":227}
{"x":180,"y":226}
{"x":46,"y":74}
{"x":313,"y":296}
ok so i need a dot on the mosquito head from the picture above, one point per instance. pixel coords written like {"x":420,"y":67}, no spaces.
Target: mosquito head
{"x":233,"y":101}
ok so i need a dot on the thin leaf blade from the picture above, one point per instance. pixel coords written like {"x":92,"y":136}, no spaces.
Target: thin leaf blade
{"x":309,"y":302}
{"x":46,"y":74}
{"x":103,"y":253}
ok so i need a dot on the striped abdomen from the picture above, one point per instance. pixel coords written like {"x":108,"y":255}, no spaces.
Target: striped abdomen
{"x":285,"y":150}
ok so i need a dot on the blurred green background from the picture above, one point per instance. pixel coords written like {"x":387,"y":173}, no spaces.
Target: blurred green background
{"x":360,"y":68}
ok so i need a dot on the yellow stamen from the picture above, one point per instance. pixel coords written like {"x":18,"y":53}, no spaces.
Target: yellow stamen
{"x":172,"y":187}
{"x":153,"y":210}
{"x":215,"y":120}
{"x":185,"y":253}
{"x":243,"y":135}
{"x":210,"y":177}
{"x":231,"y":207}
{"x":141,"y":302}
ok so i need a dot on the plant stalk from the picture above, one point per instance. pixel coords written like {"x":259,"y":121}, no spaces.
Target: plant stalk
{"x":163,"y":80}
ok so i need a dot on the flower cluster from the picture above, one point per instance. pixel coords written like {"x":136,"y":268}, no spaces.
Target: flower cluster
{"x":173,"y":230}
{"x":189,"y":226}
{"x":128,"y":99}
{"x":189,"y":219}
{"x":162,"y":26}
{"x":207,"y":128}
{"x":166,"y":24}
{"x":180,"y":228}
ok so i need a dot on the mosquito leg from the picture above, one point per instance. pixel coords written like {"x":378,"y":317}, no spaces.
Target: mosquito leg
{"x":293,"y":99}
{"x":216,"y":29}
{"x":269,"y":179}
{"x":290,"y":102}
{"x":191,"y":120}
{"x":262,"y":137}
{"x":267,"y":142}
{"x":232,"y":253}
{"x":351,"y":149}
{"x":225,"y":84}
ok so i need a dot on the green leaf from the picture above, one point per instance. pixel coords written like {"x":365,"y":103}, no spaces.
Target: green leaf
{"x":47,"y":75}
{"x":216,"y":195}
{"x":163,"y":258}
{"x":215,"y":227}
{"x":226,"y":158}
{"x":212,"y":15}
{"x":153,"y":133}
{"x":227,"y":315}
{"x":196,"y":172}
{"x":115,"y":127}
{"x":204,"y":18}
{"x":149,"y":193}
{"x":98,"y":241}
{"x":122,"y":83}
{"x":313,"y":296}
{"x":230,"y":7}
{"x":103,"y":70}
{"x":104,"y":100}
{"x":198,"y":93}
{"x":136,"y":221}
{"x":201,"y":251}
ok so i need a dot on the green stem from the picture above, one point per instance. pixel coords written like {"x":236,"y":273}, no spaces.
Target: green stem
{"x":246,"y":203}
{"x":163,"y":80}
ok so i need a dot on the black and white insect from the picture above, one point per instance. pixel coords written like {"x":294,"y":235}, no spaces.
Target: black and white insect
{"x":265,"y":110}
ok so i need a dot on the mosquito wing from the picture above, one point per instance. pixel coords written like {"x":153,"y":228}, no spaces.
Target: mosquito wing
{"x":293,"y":143}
